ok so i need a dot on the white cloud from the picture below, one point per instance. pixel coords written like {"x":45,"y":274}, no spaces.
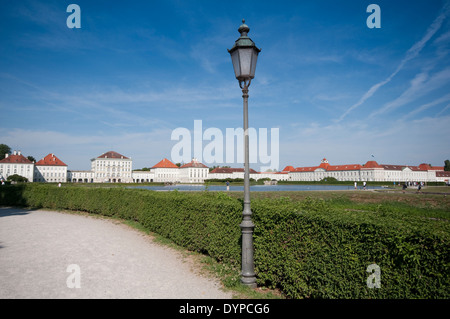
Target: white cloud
{"x":421,"y":85}
{"x":146,"y":149}
{"x":443,"y":110}
{"x":410,"y":54}
{"x":426,"y":106}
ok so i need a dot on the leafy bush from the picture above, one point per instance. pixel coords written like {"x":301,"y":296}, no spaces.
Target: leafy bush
{"x":17,"y":178}
{"x":309,"y":249}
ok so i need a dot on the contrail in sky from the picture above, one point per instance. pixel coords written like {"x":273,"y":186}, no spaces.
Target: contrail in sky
{"x":410,"y":54}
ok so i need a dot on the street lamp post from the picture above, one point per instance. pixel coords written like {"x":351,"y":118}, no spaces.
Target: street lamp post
{"x":244,"y":55}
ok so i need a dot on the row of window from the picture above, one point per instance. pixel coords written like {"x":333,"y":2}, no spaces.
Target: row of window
{"x":198,"y":173}
{"x":50,"y":180}
{"x":28,"y":168}
{"x":51,"y":168}
{"x":367,"y":175}
{"x":109,"y":169}
{"x":15,"y":167}
{"x":110,"y":175}
{"x":49,"y":174}
{"x":113,"y":163}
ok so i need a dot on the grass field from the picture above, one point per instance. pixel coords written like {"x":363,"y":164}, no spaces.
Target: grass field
{"x":431,"y":202}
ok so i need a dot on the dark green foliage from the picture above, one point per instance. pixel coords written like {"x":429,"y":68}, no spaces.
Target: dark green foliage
{"x":447,"y":165}
{"x":4,"y":149}
{"x":17,"y":178}
{"x":309,"y":249}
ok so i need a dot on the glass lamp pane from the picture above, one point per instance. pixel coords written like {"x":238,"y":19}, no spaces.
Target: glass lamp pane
{"x":245,"y":57}
{"x":235,"y":60}
{"x":254,"y":59}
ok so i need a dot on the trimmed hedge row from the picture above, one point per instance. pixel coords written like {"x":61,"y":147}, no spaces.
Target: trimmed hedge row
{"x":313,"y":250}
{"x":308,"y":249}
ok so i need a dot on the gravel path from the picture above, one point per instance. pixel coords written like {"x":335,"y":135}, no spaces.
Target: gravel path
{"x":45,"y":254}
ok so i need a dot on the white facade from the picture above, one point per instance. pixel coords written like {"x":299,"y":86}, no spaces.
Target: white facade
{"x":369,"y":172}
{"x":277,"y":176}
{"x":50,"y":174}
{"x":16,"y":163}
{"x":80,"y":176}
{"x":112,"y":167}
{"x":166,"y":174}
{"x":143,"y":176}
{"x":50,"y":169}
{"x":193,"y":172}
{"x":232,"y":173}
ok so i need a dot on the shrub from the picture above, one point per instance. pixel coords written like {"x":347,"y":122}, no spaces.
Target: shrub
{"x":308,"y":249}
{"x":17,"y":178}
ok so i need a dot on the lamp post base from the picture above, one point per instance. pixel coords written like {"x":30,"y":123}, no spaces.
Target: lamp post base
{"x":249,"y":282}
{"x":248,"y":277}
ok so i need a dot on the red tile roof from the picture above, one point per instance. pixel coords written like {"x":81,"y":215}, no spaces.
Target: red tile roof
{"x":165,"y":163}
{"x":428,"y":167}
{"x":16,"y":158}
{"x":112,"y":154}
{"x":425,"y":167}
{"x":372,"y":164}
{"x":324,"y":165}
{"x":346,"y":167}
{"x":306,"y":169}
{"x":413,"y":168}
{"x":50,"y":160}
{"x":369,"y":165}
{"x":228,"y":170}
{"x":443,"y":174}
{"x":194,"y":163}
{"x":393,"y":167}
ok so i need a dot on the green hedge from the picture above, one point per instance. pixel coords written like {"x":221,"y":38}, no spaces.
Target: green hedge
{"x":311,"y":249}
{"x":308,"y":249}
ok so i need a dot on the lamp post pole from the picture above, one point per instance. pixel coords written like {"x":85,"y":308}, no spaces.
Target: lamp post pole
{"x":247,"y":226}
{"x":244,"y":55}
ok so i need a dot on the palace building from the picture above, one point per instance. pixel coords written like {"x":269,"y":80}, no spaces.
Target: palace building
{"x":165,"y":171}
{"x":16,"y":163}
{"x":370,"y":171}
{"x":50,"y":169}
{"x":112,"y":167}
{"x":193,"y":172}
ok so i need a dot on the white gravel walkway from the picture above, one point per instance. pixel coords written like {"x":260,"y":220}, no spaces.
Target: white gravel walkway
{"x":45,"y":254}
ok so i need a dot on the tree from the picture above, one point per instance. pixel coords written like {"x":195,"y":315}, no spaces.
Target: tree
{"x":17,"y":178}
{"x":4,"y":149}
{"x":31,"y":158}
{"x":217,"y":166}
{"x":447,"y":165}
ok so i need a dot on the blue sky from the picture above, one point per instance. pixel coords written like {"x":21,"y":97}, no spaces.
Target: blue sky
{"x":137,"y":70}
